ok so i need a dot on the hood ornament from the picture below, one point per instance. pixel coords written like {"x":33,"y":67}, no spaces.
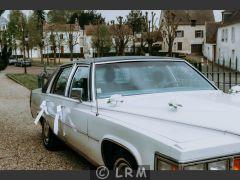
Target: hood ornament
{"x":174,"y":106}
{"x":115,"y":99}
{"x":234,"y":90}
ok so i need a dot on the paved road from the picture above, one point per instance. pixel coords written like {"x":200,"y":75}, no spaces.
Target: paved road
{"x":20,"y":140}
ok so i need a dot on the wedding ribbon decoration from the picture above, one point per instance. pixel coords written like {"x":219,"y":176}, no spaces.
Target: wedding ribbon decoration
{"x":174,"y":105}
{"x":58,"y":116}
{"x":73,"y":125}
{"x":43,"y":107}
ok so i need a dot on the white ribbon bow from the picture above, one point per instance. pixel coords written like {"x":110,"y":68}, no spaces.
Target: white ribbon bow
{"x":58,"y":116}
{"x":43,"y":107}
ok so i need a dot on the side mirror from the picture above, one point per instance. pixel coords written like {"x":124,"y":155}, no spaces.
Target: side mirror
{"x":77,"y":93}
{"x":235,"y":89}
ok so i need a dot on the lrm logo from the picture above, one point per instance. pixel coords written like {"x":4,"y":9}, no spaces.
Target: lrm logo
{"x":103,"y":173}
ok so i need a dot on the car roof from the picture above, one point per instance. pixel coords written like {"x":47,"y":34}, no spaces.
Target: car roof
{"x":123,"y":58}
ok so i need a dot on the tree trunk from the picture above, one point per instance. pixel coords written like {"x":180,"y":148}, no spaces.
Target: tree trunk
{"x":98,"y":51}
{"x":71,"y":53}
{"x":121,"y":51}
{"x":47,"y":58}
{"x":28,"y":51}
{"x":55,"y":56}
{"x":41,"y":53}
{"x":170,"y":44}
{"x":59,"y":53}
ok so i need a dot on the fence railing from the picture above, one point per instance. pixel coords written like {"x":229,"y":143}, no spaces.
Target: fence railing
{"x":223,"y":73}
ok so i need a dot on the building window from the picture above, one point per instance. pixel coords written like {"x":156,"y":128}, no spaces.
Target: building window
{"x":223,"y":34}
{"x":179,"y":46}
{"x":219,"y":53}
{"x":233,"y":55}
{"x":199,"y":34}
{"x":226,"y":35}
{"x":193,"y":22}
{"x":61,"y":36}
{"x":233,"y":35}
{"x":179,"y":34}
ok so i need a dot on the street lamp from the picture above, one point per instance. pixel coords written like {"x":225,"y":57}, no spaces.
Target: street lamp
{"x":24,"y":60}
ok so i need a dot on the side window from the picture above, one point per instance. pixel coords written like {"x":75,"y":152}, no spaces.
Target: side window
{"x":60,"y":83}
{"x":79,"y":85}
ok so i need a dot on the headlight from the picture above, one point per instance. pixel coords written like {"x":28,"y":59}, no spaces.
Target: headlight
{"x":218,"y":165}
{"x":195,"y":167}
{"x":227,"y":163}
{"x":165,"y":165}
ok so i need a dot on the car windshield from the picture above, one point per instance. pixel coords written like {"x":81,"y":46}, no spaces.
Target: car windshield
{"x":146,"y":77}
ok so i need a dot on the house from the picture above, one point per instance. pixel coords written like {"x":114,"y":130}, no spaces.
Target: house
{"x":228,"y":38}
{"x":190,"y":34}
{"x":3,"y":27}
{"x":58,"y":36}
{"x":209,"y":46}
{"x":3,"y":23}
{"x":88,"y":34}
{"x":87,"y":39}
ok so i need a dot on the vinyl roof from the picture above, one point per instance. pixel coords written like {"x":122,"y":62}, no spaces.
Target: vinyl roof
{"x":122,"y":58}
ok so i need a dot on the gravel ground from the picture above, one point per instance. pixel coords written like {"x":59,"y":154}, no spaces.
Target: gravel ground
{"x":20,"y":140}
{"x":30,"y":70}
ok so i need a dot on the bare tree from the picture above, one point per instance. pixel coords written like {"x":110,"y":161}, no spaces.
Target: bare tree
{"x":40,"y":23}
{"x":151,"y":35}
{"x":168,"y":26}
{"x":53,"y":44}
{"x":121,"y":34}
{"x":60,"y":41}
{"x":46,"y":44}
{"x":101,"y":39}
{"x":137,"y":22}
{"x":73,"y":34}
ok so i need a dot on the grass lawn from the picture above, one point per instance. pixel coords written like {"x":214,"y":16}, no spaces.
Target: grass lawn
{"x":27,"y":80}
{"x":39,"y":64}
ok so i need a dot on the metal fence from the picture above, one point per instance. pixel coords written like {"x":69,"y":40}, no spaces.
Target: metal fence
{"x":223,"y":73}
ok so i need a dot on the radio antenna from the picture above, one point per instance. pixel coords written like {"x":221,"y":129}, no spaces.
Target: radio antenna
{"x":95,"y":82}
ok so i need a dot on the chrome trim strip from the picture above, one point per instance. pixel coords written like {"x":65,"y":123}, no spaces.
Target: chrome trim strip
{"x":74,"y":67}
{"x":141,"y":60}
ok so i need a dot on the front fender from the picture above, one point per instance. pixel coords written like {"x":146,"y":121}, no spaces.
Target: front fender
{"x":128,"y":146}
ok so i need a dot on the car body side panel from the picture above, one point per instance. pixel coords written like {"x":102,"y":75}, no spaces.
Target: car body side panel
{"x":103,"y":128}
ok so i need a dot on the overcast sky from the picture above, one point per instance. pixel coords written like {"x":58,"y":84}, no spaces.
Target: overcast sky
{"x":112,"y":14}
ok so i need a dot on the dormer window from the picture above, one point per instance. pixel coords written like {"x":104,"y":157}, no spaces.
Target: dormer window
{"x":193,"y":22}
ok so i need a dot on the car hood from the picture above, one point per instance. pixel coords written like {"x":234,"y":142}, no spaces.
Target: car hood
{"x":211,"y":110}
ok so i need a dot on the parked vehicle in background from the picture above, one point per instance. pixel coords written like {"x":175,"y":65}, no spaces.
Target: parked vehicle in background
{"x":123,"y":112}
{"x":22,"y":63}
{"x":12,"y":60}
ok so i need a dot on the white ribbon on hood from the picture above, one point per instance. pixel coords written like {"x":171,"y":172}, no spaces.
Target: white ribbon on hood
{"x":43,"y":107}
{"x":58,"y":116}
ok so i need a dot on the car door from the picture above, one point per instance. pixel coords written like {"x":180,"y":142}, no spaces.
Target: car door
{"x":78,"y":110}
{"x":57,"y":95}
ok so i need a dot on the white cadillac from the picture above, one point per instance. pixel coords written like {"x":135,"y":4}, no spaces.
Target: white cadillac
{"x":129,"y":111}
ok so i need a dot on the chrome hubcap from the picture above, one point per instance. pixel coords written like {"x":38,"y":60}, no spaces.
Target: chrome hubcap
{"x":45,"y":132}
{"x":121,"y":164}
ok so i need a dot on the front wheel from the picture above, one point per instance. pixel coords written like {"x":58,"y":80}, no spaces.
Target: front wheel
{"x":124,"y":161}
{"x":50,"y":140}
